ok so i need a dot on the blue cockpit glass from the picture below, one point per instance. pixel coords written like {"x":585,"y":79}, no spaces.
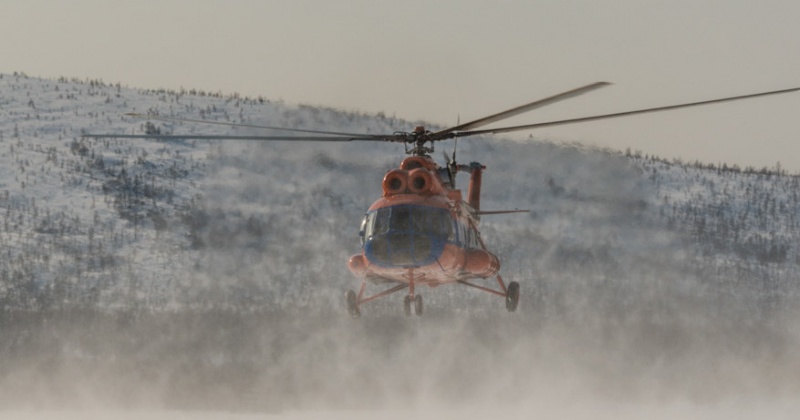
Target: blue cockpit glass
{"x":407,"y":235}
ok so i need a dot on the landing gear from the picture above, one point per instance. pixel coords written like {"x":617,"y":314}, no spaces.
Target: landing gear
{"x":352,"y":304}
{"x":512,"y":296}
{"x":418,"y":307}
{"x":510,"y":293}
{"x":413,"y":301}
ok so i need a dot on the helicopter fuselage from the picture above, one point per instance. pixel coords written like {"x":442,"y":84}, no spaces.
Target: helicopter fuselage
{"x":421,"y":231}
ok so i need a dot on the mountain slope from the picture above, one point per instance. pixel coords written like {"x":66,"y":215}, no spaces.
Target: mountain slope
{"x":211,"y":274}
{"x":121,"y":222}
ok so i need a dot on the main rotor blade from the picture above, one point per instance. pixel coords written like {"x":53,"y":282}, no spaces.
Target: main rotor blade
{"x":226,"y":137}
{"x":617,"y":114}
{"x":295,"y":130}
{"x":519,"y":110}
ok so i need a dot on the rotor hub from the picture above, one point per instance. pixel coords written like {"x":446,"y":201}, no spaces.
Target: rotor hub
{"x":419,"y":139}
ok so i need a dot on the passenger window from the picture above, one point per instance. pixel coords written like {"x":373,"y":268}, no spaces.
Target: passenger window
{"x":436,"y":223}
{"x":451,"y":232}
{"x":442,"y":225}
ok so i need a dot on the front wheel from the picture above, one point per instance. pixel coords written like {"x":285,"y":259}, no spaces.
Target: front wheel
{"x":407,"y":305}
{"x":512,"y":296}
{"x":352,"y":304}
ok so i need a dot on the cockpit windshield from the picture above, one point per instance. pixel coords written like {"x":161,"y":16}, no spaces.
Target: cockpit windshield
{"x":417,"y":219}
{"x":407,"y":235}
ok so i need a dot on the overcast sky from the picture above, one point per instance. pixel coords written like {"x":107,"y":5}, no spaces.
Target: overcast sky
{"x":438,"y":60}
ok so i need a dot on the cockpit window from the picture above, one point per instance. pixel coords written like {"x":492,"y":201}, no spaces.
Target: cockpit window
{"x":400,"y":218}
{"x":419,"y":219}
{"x":381,"y":225}
{"x":407,"y":234}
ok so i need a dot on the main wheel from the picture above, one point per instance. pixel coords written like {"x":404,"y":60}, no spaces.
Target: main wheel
{"x":418,"y":305}
{"x":407,"y":305}
{"x":512,"y":296}
{"x":352,"y":304}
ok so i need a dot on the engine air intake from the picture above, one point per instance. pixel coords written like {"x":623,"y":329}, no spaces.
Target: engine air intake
{"x":395,"y":182}
{"x":420,"y":181}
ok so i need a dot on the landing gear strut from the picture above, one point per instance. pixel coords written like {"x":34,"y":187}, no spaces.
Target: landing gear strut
{"x":510,"y":292}
{"x":354,"y":300}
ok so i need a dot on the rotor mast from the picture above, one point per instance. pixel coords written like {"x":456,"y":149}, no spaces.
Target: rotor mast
{"x":419,"y":137}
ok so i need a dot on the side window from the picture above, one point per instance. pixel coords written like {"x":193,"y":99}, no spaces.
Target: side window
{"x":443,"y":225}
{"x":451,"y":231}
{"x":362,"y":232}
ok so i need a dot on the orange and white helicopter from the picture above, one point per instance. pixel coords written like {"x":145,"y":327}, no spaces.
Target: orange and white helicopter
{"x":422,"y":232}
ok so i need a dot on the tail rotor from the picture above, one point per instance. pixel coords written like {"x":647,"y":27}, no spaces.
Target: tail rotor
{"x":452,"y":166}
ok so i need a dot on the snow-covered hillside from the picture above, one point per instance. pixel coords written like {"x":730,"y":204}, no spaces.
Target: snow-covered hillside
{"x":121,"y":222}
{"x":637,"y":258}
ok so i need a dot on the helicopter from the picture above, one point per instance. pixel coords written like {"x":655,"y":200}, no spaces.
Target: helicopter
{"x":422,"y":231}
